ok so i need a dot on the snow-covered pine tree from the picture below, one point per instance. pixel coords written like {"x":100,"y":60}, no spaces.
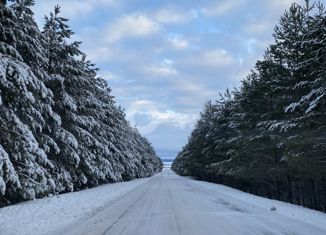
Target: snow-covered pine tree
{"x":309,"y":106}
{"x":269,"y":138}
{"x":25,"y":167}
{"x":61,"y":54}
{"x":88,"y":114}
{"x":63,"y":131}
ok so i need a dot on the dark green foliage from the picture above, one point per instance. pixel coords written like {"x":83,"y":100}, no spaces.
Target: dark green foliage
{"x":61,"y":54}
{"x":269,"y":136}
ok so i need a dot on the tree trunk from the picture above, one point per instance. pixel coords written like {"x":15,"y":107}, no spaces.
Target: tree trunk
{"x":313,"y":195}
{"x":297,"y":193}
{"x":290,"y":196}
{"x":278,"y":191}
{"x":324,"y":192}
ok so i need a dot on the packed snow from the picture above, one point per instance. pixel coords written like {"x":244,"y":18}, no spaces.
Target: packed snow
{"x":163,"y":204}
{"x":49,"y":215}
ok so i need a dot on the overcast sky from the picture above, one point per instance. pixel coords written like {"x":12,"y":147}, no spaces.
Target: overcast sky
{"x":165,"y":59}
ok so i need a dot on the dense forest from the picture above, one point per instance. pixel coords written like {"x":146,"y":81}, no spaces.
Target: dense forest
{"x":60,"y":129}
{"x":268,"y":137}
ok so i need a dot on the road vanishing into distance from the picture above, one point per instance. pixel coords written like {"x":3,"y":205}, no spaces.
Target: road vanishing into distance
{"x":172,"y":205}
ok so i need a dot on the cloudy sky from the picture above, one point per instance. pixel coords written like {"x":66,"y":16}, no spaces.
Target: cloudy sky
{"x":165,"y":59}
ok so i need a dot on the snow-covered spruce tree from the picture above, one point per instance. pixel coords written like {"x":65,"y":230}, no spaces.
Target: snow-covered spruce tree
{"x":23,"y":116}
{"x":59,"y":134}
{"x":269,"y":137}
{"x":24,"y":167}
{"x":302,"y":125}
{"x":61,"y":54}
{"x":104,"y":151}
{"x":308,"y":150}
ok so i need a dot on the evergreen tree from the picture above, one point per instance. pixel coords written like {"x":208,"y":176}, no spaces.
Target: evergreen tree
{"x":23,"y":117}
{"x":61,"y":54}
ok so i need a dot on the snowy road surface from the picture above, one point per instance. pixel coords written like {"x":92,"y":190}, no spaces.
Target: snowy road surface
{"x":169,"y":204}
{"x":163,"y":204}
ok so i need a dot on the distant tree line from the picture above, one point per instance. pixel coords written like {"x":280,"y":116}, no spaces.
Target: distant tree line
{"x":60,"y":129}
{"x":268,"y":137}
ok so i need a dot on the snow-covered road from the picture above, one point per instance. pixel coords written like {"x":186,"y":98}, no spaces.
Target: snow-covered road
{"x":163,"y":204}
{"x":169,"y":204}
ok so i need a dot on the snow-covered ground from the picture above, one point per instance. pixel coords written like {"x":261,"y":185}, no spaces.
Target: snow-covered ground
{"x":50,"y":215}
{"x":163,"y":204}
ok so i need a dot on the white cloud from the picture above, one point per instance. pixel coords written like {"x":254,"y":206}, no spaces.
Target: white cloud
{"x":193,"y":88}
{"x":259,"y":26}
{"x":106,"y":2}
{"x":222,"y":7}
{"x":251,"y":45}
{"x":134,"y":25}
{"x":218,"y":57}
{"x":70,"y":8}
{"x":100,"y":54}
{"x":211,"y":58}
{"x":283,"y":4}
{"x":156,"y":116}
{"x":164,"y":69}
{"x":109,"y":76}
{"x":178,"y":42}
{"x":170,"y":15}
{"x":240,"y":59}
{"x":257,"y":47}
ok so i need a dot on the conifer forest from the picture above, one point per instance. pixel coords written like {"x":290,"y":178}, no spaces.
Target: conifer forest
{"x":60,"y":128}
{"x":268,"y":136}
